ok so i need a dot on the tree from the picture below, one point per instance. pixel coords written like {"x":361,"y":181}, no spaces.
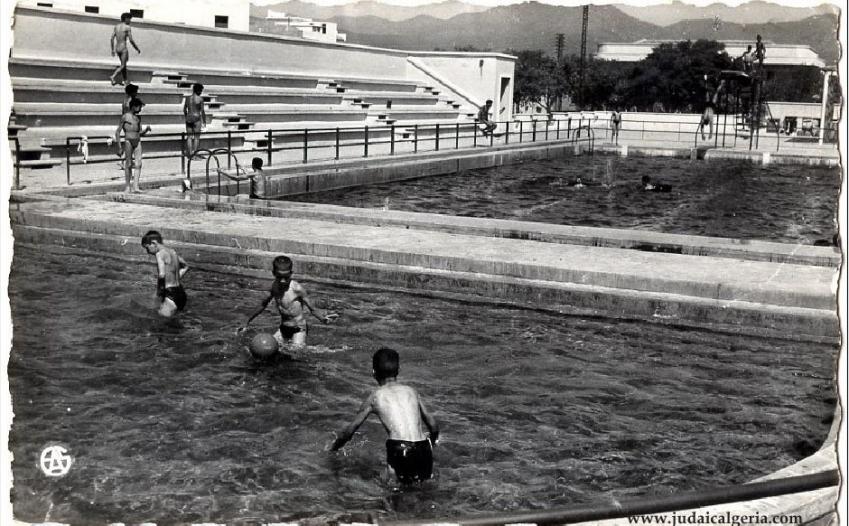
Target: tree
{"x":673,"y":75}
{"x":539,"y":80}
{"x":602,"y":81}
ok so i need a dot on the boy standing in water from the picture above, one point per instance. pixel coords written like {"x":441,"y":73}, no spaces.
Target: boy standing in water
{"x":291,"y":301}
{"x":171,"y":267}
{"x":120,"y":35}
{"x":131,"y":126}
{"x":409,"y":451}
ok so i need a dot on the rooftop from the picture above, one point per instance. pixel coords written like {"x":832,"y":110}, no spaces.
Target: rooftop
{"x":776,"y":54}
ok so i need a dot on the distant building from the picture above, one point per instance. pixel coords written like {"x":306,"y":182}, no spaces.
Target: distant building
{"x":777,"y":55}
{"x":306,"y":28}
{"x":227,"y":14}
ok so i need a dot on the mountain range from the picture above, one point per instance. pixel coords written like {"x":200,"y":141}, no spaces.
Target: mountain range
{"x":533,"y":25}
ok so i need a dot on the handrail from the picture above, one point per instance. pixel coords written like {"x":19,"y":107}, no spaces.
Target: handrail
{"x":213,"y":154}
{"x":463,"y":130}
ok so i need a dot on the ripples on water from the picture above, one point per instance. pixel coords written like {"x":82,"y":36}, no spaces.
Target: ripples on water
{"x":716,"y":198}
{"x":173,"y":422}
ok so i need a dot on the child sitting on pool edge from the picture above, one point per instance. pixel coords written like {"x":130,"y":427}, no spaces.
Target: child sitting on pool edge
{"x":409,"y":452}
{"x":291,"y":300}
{"x":171,"y":267}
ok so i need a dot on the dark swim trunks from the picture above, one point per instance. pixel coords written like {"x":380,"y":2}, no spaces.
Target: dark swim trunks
{"x":287,"y":332}
{"x":412,"y":461}
{"x":177,"y":295}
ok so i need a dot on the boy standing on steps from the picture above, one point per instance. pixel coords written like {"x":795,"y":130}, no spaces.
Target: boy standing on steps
{"x":193,"y":109}
{"x":409,"y":451}
{"x":120,"y":35}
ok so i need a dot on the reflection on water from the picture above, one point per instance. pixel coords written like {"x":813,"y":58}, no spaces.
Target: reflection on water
{"x":173,"y":422}
{"x":717,"y":198}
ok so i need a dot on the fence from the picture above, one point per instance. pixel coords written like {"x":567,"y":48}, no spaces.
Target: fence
{"x":304,"y":145}
{"x":288,"y":145}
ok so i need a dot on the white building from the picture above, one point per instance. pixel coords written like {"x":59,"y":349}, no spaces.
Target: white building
{"x":306,"y":27}
{"x":776,"y":54}
{"x":229,"y":14}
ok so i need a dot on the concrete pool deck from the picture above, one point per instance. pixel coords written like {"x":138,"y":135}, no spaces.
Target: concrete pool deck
{"x":770,"y":288}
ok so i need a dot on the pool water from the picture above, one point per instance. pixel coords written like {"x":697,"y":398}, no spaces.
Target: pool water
{"x":791,"y":204}
{"x":174,"y":422}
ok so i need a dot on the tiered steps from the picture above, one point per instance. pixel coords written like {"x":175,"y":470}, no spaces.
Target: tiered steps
{"x":56,"y":99}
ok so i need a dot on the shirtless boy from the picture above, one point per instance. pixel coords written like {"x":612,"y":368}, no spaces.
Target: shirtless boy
{"x":709,"y":114}
{"x":409,"y":451}
{"x":292,"y":302}
{"x":131,"y":126}
{"x":193,"y":109}
{"x":120,"y":35}
{"x":171,"y":267}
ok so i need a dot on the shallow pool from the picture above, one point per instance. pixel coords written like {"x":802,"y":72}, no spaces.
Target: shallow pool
{"x":175,"y":423}
{"x":717,"y":198}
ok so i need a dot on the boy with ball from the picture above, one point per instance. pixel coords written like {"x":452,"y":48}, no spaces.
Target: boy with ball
{"x":292,"y":302}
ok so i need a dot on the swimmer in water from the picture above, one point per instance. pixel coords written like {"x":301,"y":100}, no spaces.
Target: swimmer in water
{"x":576,"y":183}
{"x":648,"y":186}
{"x":409,"y":451}
{"x":292,"y":301}
{"x":120,"y":35}
{"x":132,"y":150}
{"x":171,"y":268}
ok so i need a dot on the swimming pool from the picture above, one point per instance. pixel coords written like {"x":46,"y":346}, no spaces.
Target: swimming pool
{"x":175,"y":423}
{"x":791,"y":204}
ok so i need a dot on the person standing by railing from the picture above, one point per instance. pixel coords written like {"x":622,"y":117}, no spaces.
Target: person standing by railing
{"x":615,"y":122}
{"x":193,"y":110}
{"x":120,"y":35}
{"x":483,"y":118}
{"x":132,"y":127}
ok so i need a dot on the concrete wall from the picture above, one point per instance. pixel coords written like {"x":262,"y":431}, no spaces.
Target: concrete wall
{"x":42,"y":34}
{"x":193,"y":12}
{"x":802,"y":110}
{"x":478,"y":74}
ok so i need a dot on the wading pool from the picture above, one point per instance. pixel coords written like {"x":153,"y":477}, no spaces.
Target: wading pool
{"x":174,"y":422}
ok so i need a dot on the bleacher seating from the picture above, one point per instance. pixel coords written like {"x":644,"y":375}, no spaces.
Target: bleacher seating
{"x":57,"y":99}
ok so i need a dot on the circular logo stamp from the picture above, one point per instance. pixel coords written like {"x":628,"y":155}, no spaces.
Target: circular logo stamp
{"x":55,"y":461}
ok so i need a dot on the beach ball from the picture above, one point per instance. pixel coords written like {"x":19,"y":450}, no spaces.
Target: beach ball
{"x":263,"y":346}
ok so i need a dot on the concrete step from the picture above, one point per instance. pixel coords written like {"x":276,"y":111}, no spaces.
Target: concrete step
{"x":30,"y":152}
{"x":14,"y":129}
{"x":239,"y":125}
{"x":51,"y":70}
{"x":37,"y":164}
{"x":295,"y":118}
{"x":364,"y":85}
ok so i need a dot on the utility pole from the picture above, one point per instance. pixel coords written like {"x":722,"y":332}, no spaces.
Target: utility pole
{"x":559,"y":46}
{"x":561,"y":38}
{"x":586,"y":18}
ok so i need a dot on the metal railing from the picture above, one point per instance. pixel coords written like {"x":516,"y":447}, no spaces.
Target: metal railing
{"x":322,"y":144}
{"x":319,"y":144}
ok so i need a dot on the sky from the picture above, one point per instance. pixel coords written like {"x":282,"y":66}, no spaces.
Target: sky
{"x":791,"y":3}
